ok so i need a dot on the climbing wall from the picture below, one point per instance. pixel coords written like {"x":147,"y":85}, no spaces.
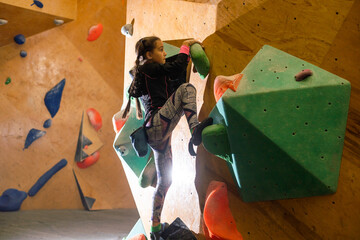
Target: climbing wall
{"x":324,"y":34}
{"x":22,"y":14}
{"x":94,"y":74}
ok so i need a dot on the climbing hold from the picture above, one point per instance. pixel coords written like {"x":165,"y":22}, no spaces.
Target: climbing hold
{"x":8,"y":80}
{"x":200,"y":60}
{"x":90,"y":160}
{"x":46,"y":176}
{"x":80,"y":59}
{"x":19,"y":39}
{"x":58,"y":22}
{"x":95,"y":32}
{"x":303,"y":74}
{"x":123,"y":150}
{"x":38,"y":4}
{"x":11,"y":199}
{"x":222,"y":83}
{"x":127,"y":30}
{"x":33,"y":135}
{"x":23,"y":53}
{"x":3,"y":21}
{"x":118,"y":121}
{"x":217,"y":214}
{"x":139,"y":236}
{"x":95,"y":118}
{"x":53,"y":98}
{"x":215,"y":141}
{"x":47,"y":123}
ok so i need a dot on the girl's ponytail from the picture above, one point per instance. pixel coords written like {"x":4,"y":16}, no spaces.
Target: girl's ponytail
{"x":136,"y":88}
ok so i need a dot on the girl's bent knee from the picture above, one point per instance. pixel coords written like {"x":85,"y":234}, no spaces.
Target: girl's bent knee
{"x":184,"y":85}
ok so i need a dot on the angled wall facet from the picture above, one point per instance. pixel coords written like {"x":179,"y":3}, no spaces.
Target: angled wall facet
{"x":27,"y":19}
{"x":286,"y":137}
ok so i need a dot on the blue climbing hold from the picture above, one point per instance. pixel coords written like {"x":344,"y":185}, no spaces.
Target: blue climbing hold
{"x":11,"y":199}
{"x":53,"y":98}
{"x":23,"y":53}
{"x":44,"y":178}
{"x":38,"y":4}
{"x":19,"y":39}
{"x":33,"y":135}
{"x":47,"y":123}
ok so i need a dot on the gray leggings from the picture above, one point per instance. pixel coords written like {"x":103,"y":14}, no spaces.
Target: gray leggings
{"x":159,"y":129}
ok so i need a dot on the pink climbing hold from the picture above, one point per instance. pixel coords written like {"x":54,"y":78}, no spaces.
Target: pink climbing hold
{"x":95,"y":118}
{"x":90,"y":160}
{"x":222,"y":83}
{"x":303,"y":74}
{"x":95,"y":32}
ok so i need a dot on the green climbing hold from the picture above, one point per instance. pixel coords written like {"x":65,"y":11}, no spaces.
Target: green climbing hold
{"x":8,"y":80}
{"x":215,"y":141}
{"x":200,"y":60}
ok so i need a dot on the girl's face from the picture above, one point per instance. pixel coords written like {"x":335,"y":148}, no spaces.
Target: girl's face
{"x":158,"y":54}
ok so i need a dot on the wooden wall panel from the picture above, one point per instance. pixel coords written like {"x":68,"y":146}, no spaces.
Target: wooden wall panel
{"x":315,"y":31}
{"x":52,"y":56}
{"x":29,"y":20}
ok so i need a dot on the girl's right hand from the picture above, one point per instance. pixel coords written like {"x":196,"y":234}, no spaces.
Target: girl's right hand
{"x":191,"y":42}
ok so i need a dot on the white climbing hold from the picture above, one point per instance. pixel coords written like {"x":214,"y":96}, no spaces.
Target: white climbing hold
{"x":127,"y":30}
{"x":58,"y":22}
{"x":123,"y":150}
{"x":3,"y":21}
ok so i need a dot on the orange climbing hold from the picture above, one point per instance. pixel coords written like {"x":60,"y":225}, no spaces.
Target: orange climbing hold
{"x":217,"y":215}
{"x":222,"y":83}
{"x":90,"y":160}
{"x":95,"y":32}
{"x":95,"y":118}
{"x":138,"y":237}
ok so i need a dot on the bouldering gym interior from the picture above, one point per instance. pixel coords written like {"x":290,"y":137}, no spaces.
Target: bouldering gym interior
{"x":279,"y":160}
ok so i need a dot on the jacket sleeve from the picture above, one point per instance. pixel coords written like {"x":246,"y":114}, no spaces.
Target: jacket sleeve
{"x":171,"y":69}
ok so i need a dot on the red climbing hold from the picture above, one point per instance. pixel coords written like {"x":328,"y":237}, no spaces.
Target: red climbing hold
{"x":303,"y":74}
{"x":90,"y":160}
{"x":138,"y":237}
{"x":119,"y":121}
{"x":217,"y":215}
{"x":95,"y":32}
{"x":95,"y":118}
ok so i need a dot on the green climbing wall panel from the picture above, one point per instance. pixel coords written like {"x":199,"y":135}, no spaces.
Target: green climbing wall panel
{"x":137,"y":229}
{"x":123,"y":146}
{"x":286,"y":137}
{"x":170,"y":50}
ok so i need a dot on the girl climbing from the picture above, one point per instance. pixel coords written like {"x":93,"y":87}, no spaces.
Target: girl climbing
{"x":165,"y":95}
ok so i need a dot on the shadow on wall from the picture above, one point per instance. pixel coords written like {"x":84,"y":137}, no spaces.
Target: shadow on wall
{"x":241,"y":30}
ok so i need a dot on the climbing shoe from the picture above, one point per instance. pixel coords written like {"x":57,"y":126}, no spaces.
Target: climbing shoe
{"x":197,"y":131}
